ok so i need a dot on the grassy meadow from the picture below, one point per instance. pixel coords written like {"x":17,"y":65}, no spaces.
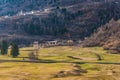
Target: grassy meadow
{"x":66,"y":56}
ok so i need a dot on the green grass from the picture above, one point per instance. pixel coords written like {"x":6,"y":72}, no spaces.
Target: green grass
{"x":61,"y":53}
{"x":29,"y":71}
{"x":42,"y":71}
{"x":46,"y":71}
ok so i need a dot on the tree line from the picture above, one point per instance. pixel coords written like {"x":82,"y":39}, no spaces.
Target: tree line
{"x":14,"y":48}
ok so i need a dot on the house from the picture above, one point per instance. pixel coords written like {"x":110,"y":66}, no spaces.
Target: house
{"x":51,"y":43}
{"x":36,"y":45}
{"x":57,"y":43}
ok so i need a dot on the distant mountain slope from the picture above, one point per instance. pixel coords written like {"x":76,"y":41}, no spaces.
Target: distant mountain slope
{"x":56,"y":18}
{"x":11,"y":7}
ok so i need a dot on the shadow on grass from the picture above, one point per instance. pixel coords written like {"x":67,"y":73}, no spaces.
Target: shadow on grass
{"x":6,"y":67}
{"x":54,"y":61}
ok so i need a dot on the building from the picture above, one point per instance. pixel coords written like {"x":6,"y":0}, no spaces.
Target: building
{"x":36,"y":45}
{"x":36,"y":49}
{"x":57,"y":43}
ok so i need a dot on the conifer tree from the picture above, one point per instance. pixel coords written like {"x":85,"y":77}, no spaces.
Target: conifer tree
{"x":14,"y":50}
{"x":4,"y":48}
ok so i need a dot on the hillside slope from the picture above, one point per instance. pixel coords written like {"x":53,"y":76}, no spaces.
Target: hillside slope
{"x":57,"y":19}
{"x":107,"y":36}
{"x":11,"y":7}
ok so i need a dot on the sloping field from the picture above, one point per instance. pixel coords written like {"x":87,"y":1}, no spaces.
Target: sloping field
{"x":47,"y":71}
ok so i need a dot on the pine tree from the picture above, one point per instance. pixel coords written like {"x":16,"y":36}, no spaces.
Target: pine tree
{"x":14,"y":50}
{"x":4,"y":48}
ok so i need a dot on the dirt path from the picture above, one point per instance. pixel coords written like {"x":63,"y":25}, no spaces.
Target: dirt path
{"x":82,"y":58}
{"x":53,"y":61}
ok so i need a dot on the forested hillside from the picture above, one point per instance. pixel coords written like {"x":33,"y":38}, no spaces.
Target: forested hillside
{"x":74,"y":19}
{"x":107,"y":36}
{"x":11,"y":7}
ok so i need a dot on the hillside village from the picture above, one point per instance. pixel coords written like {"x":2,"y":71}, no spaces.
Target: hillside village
{"x":21,"y":13}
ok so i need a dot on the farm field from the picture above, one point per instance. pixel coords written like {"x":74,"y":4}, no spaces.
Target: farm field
{"x":60,"y":63}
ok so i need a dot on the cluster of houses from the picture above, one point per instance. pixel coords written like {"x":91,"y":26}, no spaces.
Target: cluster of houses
{"x":56,"y":43}
{"x":36,"y":12}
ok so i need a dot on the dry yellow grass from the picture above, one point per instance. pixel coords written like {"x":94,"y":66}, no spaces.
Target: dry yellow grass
{"x":42,"y":71}
{"x":46,"y":71}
